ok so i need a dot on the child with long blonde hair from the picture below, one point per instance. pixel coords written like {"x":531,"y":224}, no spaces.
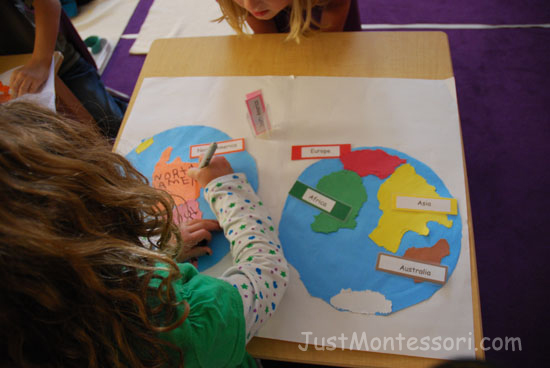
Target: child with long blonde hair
{"x":91,"y":271}
{"x":295,"y":17}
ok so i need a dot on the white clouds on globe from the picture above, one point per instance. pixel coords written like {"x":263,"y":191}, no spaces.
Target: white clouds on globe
{"x":364,"y":302}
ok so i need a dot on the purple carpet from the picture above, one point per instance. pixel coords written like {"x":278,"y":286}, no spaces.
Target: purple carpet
{"x":502,"y":78}
{"x":454,"y":11}
{"x":123,"y":69}
{"x":502,"y":82}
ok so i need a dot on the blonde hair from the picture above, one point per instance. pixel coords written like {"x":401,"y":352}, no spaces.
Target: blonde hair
{"x":82,"y":237}
{"x":300,"y":21}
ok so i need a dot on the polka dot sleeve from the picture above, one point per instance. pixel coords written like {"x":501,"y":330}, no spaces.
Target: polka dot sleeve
{"x":259,"y":271}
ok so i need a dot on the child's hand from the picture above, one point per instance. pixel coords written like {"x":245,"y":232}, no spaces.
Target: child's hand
{"x":196,"y":234}
{"x":29,"y":78}
{"x":218,"y":166}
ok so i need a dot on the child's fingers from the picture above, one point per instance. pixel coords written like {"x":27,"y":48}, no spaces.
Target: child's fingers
{"x":198,"y":252}
{"x":195,"y":221}
{"x":219,"y":166}
{"x":193,"y":173}
{"x":15,"y":83}
{"x":193,"y":253}
{"x":196,"y":231}
{"x":221,"y":163}
{"x":25,"y":87}
{"x":197,"y":224}
{"x":196,"y":236}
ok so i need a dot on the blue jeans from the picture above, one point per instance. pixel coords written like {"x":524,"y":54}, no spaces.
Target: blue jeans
{"x":84,"y":82}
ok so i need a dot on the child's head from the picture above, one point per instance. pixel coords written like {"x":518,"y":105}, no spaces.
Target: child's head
{"x":235,"y":13}
{"x":264,"y":9}
{"x":80,"y":235}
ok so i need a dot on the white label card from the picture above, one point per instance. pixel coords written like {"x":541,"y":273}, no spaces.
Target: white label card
{"x":318,"y":200}
{"x":443,"y":205}
{"x":319,"y":151}
{"x":235,"y":145}
{"x":413,"y":269}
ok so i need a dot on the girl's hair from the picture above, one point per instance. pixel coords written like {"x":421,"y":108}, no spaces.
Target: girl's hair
{"x":83,"y":239}
{"x":299,"y":23}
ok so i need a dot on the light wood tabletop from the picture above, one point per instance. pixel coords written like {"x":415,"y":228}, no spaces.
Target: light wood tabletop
{"x":419,"y":55}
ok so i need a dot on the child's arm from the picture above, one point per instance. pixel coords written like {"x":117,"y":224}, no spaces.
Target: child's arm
{"x":260,"y":270}
{"x":31,"y":76}
{"x":334,"y":15}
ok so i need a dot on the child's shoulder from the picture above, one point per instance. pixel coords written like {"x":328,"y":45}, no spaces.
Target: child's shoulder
{"x":213,"y":334}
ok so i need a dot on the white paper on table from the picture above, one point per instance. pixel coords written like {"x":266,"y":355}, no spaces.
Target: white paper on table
{"x":105,"y":19}
{"x":45,"y":96}
{"x":180,"y":18}
{"x":418,"y":117}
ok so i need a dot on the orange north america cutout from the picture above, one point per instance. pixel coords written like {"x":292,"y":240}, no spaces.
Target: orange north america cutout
{"x":172,"y":177}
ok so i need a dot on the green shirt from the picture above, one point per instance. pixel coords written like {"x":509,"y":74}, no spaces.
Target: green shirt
{"x":213,"y":335}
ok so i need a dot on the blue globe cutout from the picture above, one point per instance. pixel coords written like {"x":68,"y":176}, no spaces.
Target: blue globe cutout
{"x":181,"y":139}
{"x":346,"y":259}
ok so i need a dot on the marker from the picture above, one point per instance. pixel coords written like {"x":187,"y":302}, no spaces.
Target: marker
{"x":208,"y":155}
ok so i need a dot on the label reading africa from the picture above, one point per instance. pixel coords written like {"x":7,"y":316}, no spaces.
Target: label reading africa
{"x":411,"y":268}
{"x":318,"y":200}
{"x":320,"y":151}
{"x":234,"y":145}
{"x":325,"y":203}
{"x":440,"y":205}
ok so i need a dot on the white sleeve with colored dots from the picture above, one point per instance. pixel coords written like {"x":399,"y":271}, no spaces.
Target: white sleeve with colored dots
{"x":260,"y":270}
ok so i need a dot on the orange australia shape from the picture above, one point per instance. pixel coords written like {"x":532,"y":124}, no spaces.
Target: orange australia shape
{"x":433,"y":254}
{"x":172,"y":178}
{"x":369,"y":162}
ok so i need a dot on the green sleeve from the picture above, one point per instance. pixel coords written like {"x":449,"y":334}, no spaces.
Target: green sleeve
{"x":213,"y":335}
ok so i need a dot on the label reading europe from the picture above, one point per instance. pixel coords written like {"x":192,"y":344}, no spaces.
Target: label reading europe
{"x":319,"y":151}
{"x":321,"y":201}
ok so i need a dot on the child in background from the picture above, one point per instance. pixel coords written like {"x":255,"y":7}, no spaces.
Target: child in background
{"x":90,"y":273}
{"x":295,"y":17}
{"x":77,"y":73}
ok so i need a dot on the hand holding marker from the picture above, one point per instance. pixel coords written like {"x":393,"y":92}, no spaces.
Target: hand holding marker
{"x":218,"y":166}
{"x":208,"y":156}
{"x":203,"y":163}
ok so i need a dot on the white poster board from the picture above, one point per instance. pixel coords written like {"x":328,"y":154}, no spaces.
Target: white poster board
{"x":419,"y":117}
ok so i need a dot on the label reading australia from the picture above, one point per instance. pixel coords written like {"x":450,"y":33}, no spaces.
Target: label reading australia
{"x":420,"y":271}
{"x":325,"y":203}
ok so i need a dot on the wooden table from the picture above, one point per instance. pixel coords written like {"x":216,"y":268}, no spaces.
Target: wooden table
{"x":419,"y":55}
{"x":66,"y":101}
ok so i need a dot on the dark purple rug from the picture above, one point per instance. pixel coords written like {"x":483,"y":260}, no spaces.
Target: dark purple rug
{"x":123,"y":69}
{"x":454,"y":11}
{"x":502,"y":78}
{"x":137,"y":19}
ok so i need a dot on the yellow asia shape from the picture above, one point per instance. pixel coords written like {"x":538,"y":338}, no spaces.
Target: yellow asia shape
{"x":393,"y":223}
